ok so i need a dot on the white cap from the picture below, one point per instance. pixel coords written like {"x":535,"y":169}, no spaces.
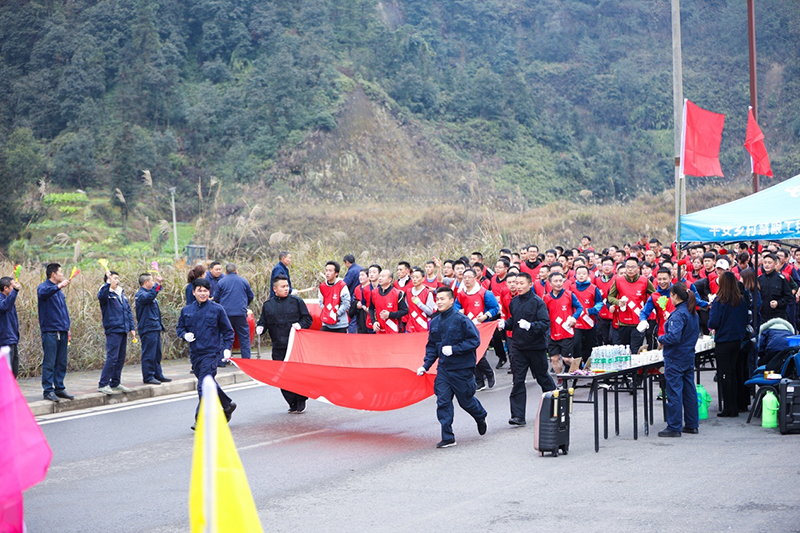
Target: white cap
{"x":723,"y":264}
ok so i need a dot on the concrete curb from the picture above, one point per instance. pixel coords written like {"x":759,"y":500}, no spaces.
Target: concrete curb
{"x":98,"y":399}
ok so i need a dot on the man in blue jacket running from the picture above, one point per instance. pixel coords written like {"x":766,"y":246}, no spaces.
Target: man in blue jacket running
{"x":453,"y":339}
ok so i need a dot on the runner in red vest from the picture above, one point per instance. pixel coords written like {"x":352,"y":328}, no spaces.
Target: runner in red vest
{"x":433,"y":274}
{"x":540,"y":285}
{"x":388,"y":305}
{"x":505,"y":308}
{"x":499,"y":288}
{"x":629,"y":293}
{"x":334,"y":300}
{"x":479,"y":305}
{"x":659,"y":302}
{"x":456,"y":283}
{"x":591,"y":300}
{"x":563,"y":308}
{"x":359,"y":306}
{"x":403,"y":275}
{"x":421,"y":305}
{"x":606,"y":317}
{"x":531,"y":264}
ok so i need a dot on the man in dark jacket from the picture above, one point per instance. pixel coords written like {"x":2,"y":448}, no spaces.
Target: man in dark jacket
{"x":205,"y":326}
{"x":529,"y":324}
{"x":9,"y":323}
{"x":214,"y":275}
{"x":117,"y":322}
{"x":281,"y":269}
{"x":453,"y":339}
{"x":776,"y":293}
{"x":54,"y":325}
{"x":234,"y":295}
{"x":150,"y":326}
{"x":279,"y":315}
{"x":351,"y":280}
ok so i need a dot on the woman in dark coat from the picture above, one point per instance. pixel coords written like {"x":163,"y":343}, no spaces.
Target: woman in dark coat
{"x":729,"y":319}
{"x":679,"y":339}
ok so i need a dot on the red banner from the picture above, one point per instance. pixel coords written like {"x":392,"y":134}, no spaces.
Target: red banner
{"x":754,"y":143}
{"x":370,"y":372}
{"x":702,"y":135}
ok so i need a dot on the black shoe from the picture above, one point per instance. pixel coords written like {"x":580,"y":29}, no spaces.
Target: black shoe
{"x":301,"y":406}
{"x":481,"y":426}
{"x":510,"y":371}
{"x":500,"y":364}
{"x":63,"y":394}
{"x":723,"y":414}
{"x":222,"y":365}
{"x":229,"y":411}
{"x":446,"y":443}
{"x":490,"y":379}
{"x":517,"y":421}
{"x":163,"y":379}
{"x":152,"y":381}
{"x":691,"y":431}
{"x":51,"y":396}
{"x":194,"y":425}
{"x":668,"y":433}
{"x":480,"y":386}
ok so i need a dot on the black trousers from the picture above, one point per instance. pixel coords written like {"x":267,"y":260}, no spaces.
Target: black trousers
{"x":14,"y":359}
{"x":482,"y":371}
{"x":630,"y":336}
{"x":498,"y":346}
{"x":521,"y":362}
{"x":605,"y":331}
{"x":583,"y":342}
{"x":731,"y":374}
{"x":291,"y":398}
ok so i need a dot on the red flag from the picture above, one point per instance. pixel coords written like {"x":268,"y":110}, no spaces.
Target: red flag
{"x":26,"y":455}
{"x":370,"y":372}
{"x":702,"y":135}
{"x":754,"y":143}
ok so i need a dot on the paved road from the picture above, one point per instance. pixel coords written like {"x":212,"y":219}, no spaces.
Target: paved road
{"x":126,"y":468}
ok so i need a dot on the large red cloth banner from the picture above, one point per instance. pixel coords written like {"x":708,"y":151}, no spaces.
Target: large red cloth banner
{"x":370,"y":372}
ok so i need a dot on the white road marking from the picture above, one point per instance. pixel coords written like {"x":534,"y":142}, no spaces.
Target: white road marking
{"x":282,"y":439}
{"x":64,"y":417}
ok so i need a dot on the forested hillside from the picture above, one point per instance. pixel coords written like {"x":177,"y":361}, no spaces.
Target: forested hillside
{"x":359,"y":99}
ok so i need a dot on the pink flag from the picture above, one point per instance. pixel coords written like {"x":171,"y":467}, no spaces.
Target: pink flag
{"x":26,"y":455}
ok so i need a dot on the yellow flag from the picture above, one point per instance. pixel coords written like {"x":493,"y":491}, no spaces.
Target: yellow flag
{"x":219,"y":495}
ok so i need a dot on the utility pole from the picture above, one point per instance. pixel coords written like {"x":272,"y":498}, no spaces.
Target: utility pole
{"x":174,"y":223}
{"x":751,"y":44}
{"x":677,"y":102}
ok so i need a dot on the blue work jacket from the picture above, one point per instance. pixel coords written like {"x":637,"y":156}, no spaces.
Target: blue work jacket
{"x":53,"y":314}
{"x":116,"y":310}
{"x":451,"y":328}
{"x":210,"y":325}
{"x":9,"y":323}
{"x":680,"y":335}
{"x":234,"y":294}
{"x":148,"y":313}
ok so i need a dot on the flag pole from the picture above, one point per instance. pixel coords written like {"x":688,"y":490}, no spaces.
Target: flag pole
{"x":751,"y":45}
{"x":678,"y":116}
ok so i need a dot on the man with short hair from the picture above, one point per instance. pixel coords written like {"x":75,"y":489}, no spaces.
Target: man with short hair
{"x":498,"y":286}
{"x":606,"y":316}
{"x":479,"y":305}
{"x":388,"y":305}
{"x":54,"y":324}
{"x":9,"y":322}
{"x":403,"y":275}
{"x":214,"y":275}
{"x":279,"y":316}
{"x":563,"y":308}
{"x":776,"y":294}
{"x":334,"y":300}
{"x":205,"y":326}
{"x":453,"y":340}
{"x":234,"y":295}
{"x":281,"y":269}
{"x":150,"y":326}
{"x":528,"y":323}
{"x":433,"y":274}
{"x":351,"y":280}
{"x":117,"y":322}
{"x":420,"y":302}
{"x":629,"y":294}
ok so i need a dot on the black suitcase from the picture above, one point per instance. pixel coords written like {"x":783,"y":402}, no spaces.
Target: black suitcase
{"x":789,"y":409}
{"x":551,"y":429}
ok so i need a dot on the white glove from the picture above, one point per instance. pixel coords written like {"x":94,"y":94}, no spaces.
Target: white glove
{"x":642,"y":327}
{"x":421,"y":370}
{"x":501,"y":324}
{"x":259,"y":330}
{"x":524,"y":324}
{"x":296,"y":326}
{"x":189,"y":337}
{"x":294,"y":292}
{"x":711,"y":298}
{"x":226,"y":355}
{"x":570,"y":321}
{"x":447,"y":351}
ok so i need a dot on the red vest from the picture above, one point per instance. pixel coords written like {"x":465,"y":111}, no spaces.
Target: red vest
{"x":330,"y":301}
{"x":587,"y":299}
{"x":534,"y":272}
{"x":388,"y":302}
{"x":636,"y":293}
{"x":417,"y":320}
{"x":505,"y":309}
{"x":559,"y":309}
{"x":432,"y":285}
{"x":497,"y":287}
{"x":604,"y":287}
{"x":365,"y":297}
{"x":472,"y":305}
{"x":540,"y":289}
{"x":661,"y":314}
{"x":407,"y":283}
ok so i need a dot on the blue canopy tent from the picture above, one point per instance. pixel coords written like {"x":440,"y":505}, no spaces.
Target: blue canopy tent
{"x":768,"y":215}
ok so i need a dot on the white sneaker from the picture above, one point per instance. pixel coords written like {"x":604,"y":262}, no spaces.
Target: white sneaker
{"x":122,"y":388}
{"x":106,"y":390}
